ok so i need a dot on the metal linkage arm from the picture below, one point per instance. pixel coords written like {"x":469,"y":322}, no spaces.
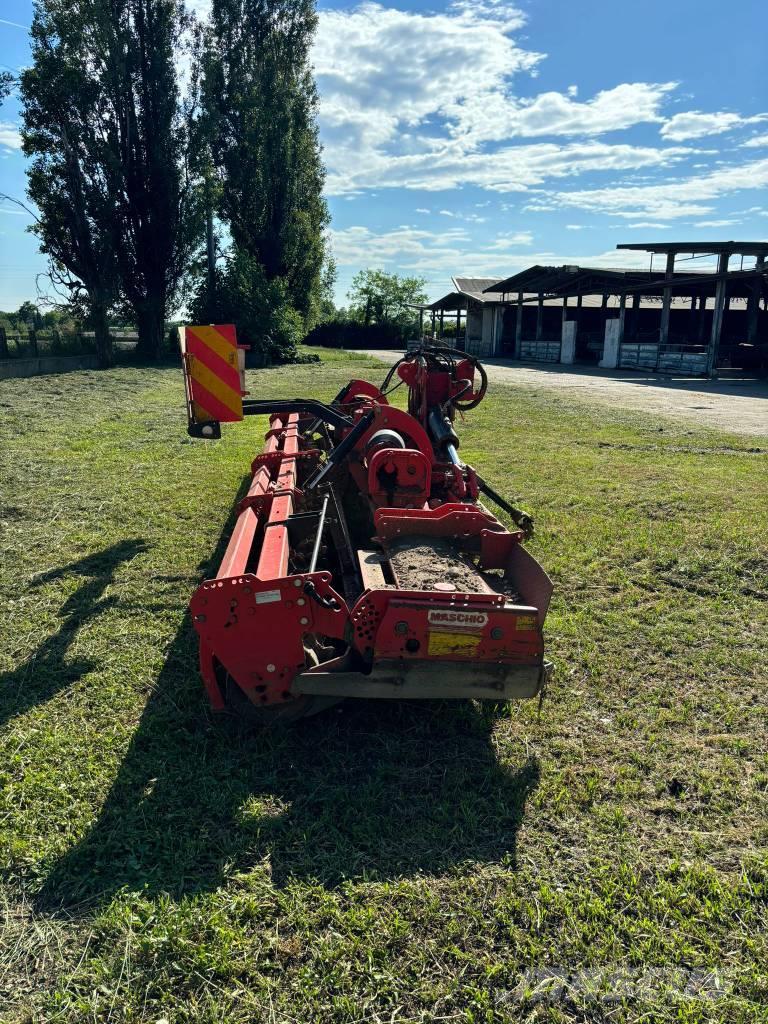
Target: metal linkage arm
{"x":518,"y":517}
{"x":321,"y":411}
{"x":340,"y":452}
{"x":210,"y":430}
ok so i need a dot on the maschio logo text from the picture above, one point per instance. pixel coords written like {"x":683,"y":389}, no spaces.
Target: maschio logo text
{"x":449,"y":617}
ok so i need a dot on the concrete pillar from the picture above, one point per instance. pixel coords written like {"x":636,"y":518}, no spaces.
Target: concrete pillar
{"x":568,"y":342}
{"x":611,"y":345}
{"x":717,"y":314}
{"x":540,"y":318}
{"x":753,"y":306}
{"x":519,"y":324}
{"x":666,"y":303}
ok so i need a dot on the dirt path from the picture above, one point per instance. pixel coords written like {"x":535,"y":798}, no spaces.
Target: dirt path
{"x":734,"y":406}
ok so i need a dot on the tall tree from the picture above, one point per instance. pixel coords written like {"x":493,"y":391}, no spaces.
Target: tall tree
{"x":261,"y":106}
{"x":103,"y":124}
{"x":76,"y":226}
{"x":377,"y":297}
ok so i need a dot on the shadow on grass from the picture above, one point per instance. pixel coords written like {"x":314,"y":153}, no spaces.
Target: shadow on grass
{"x":374,"y":789}
{"x":47,"y":670}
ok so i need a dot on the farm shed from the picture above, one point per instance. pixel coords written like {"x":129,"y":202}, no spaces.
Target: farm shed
{"x":469,"y":316}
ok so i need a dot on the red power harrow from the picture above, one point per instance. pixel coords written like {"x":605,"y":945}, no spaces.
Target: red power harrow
{"x":362,"y":562}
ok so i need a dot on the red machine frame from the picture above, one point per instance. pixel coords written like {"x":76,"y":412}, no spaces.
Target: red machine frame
{"x":278,"y":629}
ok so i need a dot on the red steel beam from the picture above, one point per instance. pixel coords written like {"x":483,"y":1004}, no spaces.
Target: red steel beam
{"x":241,"y":542}
{"x":273,"y":561}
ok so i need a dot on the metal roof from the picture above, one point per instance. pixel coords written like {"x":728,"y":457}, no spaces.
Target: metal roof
{"x":456,"y":300}
{"x":466,"y":288}
{"x":474,"y":287}
{"x":574,"y":280}
{"x":591,"y":283}
{"x":738,"y":248}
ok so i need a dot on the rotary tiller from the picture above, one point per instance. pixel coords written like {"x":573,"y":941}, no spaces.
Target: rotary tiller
{"x":362,"y":562}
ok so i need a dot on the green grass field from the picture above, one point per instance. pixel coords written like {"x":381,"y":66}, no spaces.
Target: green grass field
{"x":433,"y":862}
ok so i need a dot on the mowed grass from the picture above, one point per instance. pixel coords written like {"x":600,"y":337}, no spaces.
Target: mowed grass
{"x":381,"y":863}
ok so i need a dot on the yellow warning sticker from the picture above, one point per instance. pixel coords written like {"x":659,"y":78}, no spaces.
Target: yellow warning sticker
{"x":525,"y":622}
{"x":453,"y":643}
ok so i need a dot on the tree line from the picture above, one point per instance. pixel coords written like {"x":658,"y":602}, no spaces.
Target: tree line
{"x":176,"y":164}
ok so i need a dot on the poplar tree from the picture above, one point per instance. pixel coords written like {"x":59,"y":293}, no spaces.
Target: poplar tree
{"x":260,"y":106}
{"x":103,"y":125}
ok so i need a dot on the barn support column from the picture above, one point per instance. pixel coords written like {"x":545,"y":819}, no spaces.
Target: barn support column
{"x":567,"y":336}
{"x":540,"y":318}
{"x":753,"y":304}
{"x":632,"y":318}
{"x":692,"y":319}
{"x":702,"y":319}
{"x":666,"y":304}
{"x":622,"y":315}
{"x":717,"y":313}
{"x":442,"y":321}
{"x":519,"y":325}
{"x":498,"y":324}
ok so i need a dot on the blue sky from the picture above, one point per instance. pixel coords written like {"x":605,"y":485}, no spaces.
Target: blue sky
{"x":482,"y":137}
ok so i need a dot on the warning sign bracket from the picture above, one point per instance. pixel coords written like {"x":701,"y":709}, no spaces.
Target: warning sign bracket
{"x":214,"y":377}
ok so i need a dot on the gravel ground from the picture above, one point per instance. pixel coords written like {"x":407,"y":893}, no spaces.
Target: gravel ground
{"x":733,"y":405}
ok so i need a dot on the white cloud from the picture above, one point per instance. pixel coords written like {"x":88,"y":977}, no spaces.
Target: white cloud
{"x":574,"y":227}
{"x":425,"y":253}
{"x":715,"y":223}
{"x":422,"y":209}
{"x":695,"y":125}
{"x":510,"y":241}
{"x":507,"y":169}
{"x":685,"y":197}
{"x":9,"y":135}
{"x":414,"y":100}
{"x":647,"y":224}
{"x":757,"y":141}
{"x":552,"y":113}
{"x":436,"y":257}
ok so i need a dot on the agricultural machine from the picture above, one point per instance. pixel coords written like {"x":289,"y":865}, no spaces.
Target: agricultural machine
{"x":363,"y":562}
